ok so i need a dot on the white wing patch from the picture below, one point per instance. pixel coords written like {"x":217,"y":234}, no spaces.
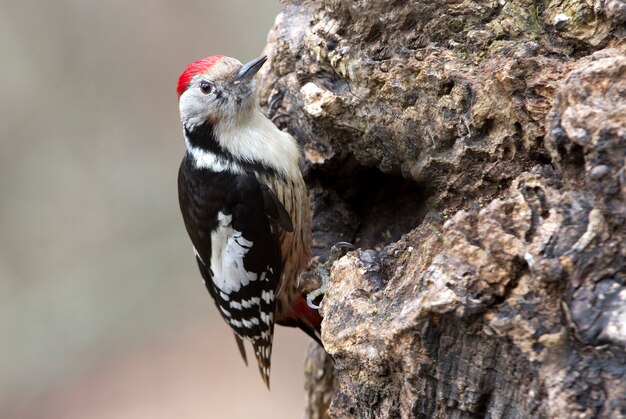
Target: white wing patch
{"x":224,"y":219}
{"x":228,"y":248}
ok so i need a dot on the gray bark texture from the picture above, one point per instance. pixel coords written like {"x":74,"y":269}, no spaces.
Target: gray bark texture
{"x":475,"y":153}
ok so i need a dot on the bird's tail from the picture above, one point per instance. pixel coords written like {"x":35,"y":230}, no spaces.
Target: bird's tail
{"x":263,"y":353}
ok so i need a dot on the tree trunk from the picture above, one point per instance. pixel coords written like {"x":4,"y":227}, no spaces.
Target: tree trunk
{"x":475,"y":152}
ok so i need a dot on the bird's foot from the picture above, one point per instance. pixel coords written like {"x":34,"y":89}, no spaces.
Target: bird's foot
{"x":323,"y":272}
{"x":273,"y":103}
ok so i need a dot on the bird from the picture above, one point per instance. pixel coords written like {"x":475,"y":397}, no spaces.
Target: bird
{"x":244,"y":204}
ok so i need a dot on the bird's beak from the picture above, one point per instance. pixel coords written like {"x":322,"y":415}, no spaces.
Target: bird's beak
{"x":248,"y":70}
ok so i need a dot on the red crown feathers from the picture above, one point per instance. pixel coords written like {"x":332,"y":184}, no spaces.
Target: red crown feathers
{"x":197,"y":67}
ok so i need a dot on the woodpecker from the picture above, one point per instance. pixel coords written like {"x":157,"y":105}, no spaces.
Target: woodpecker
{"x":244,"y":204}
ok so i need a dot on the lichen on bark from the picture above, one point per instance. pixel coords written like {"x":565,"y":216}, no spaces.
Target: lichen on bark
{"x":474,"y":151}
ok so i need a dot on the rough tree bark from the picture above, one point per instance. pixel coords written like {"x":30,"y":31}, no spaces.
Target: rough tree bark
{"x":475,"y":152}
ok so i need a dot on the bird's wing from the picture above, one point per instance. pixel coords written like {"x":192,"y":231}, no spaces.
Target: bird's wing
{"x":275,"y":209}
{"x":238,"y":253}
{"x":247,"y":271}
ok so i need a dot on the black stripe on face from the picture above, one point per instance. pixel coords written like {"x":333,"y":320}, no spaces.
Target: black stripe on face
{"x":204,"y":138}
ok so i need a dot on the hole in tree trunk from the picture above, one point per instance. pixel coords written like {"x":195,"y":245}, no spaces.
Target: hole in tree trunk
{"x":364,"y":206}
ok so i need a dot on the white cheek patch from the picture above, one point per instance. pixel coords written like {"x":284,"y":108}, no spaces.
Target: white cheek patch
{"x":193,"y":107}
{"x":228,"y":249}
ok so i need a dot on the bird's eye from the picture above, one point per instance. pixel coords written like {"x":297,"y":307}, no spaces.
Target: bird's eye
{"x":206,"y":87}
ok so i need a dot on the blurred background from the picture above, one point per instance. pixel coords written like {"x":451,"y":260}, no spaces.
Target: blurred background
{"x":102,"y":311}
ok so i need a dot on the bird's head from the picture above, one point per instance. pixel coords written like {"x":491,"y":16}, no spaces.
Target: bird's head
{"x":217,"y":90}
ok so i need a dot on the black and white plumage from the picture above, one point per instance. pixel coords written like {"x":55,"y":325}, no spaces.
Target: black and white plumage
{"x":231,"y":219}
{"x":244,"y":204}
